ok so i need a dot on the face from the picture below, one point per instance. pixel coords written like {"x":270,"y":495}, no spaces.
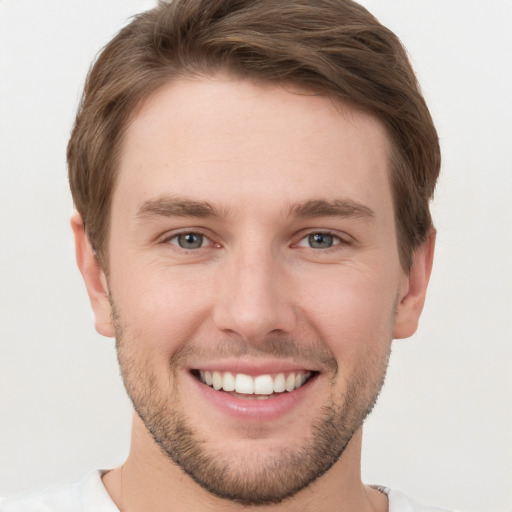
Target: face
{"x":254,"y":281}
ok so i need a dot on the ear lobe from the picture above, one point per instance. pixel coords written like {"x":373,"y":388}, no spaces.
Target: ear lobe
{"x":94,"y":278}
{"x":411,"y":304}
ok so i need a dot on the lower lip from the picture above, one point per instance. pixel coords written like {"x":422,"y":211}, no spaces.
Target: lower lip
{"x":253,"y":409}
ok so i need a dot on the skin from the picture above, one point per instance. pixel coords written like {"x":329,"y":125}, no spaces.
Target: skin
{"x":260,"y":156}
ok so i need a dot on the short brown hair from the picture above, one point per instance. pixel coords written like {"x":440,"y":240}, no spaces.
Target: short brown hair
{"x":331,"y":47}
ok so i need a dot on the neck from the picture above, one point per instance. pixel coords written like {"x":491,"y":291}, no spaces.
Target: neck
{"x":148,"y":480}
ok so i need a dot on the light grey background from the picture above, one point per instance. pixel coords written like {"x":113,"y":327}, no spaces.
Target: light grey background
{"x":442,"y":431}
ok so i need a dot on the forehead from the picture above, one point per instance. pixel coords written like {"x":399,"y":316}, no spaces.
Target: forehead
{"x":240,"y":142}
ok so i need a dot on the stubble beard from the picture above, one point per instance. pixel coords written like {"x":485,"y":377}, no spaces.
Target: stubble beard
{"x":249,"y":480}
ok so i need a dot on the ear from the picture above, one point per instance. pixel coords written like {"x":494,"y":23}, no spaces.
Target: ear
{"x":412,"y":298}
{"x":94,"y":278}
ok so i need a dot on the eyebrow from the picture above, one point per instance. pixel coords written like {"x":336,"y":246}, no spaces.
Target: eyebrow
{"x":345,"y":208}
{"x":172,"y":206}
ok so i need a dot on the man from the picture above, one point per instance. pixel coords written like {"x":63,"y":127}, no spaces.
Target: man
{"x":252,"y":181}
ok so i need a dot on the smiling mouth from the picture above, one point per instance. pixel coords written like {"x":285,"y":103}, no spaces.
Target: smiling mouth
{"x":260,"y":386}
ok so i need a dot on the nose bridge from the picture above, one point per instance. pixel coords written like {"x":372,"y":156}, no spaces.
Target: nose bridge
{"x":253,"y":299}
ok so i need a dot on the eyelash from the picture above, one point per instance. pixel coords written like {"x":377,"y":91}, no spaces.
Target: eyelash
{"x":337,"y":241}
{"x":205,"y":238}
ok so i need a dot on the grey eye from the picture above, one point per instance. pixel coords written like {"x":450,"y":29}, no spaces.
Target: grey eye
{"x":190,"y":240}
{"x":320,"y":240}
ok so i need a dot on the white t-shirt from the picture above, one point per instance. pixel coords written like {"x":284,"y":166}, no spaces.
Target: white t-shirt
{"x":90,"y":495}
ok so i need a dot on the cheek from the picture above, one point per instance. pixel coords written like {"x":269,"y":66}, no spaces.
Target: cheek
{"x":160,"y":310}
{"x":354,"y":313}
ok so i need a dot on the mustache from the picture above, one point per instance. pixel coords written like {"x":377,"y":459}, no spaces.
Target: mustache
{"x":311,"y":355}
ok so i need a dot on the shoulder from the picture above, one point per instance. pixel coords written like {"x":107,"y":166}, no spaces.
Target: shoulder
{"x":399,"y":502}
{"x":89,"y":495}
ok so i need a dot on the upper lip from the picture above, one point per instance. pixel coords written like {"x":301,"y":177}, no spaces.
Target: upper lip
{"x":253,"y":368}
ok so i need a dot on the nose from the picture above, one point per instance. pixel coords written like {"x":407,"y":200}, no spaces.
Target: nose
{"x":255,"y":296}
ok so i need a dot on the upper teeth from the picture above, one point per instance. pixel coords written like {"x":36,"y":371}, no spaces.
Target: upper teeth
{"x":259,"y":385}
